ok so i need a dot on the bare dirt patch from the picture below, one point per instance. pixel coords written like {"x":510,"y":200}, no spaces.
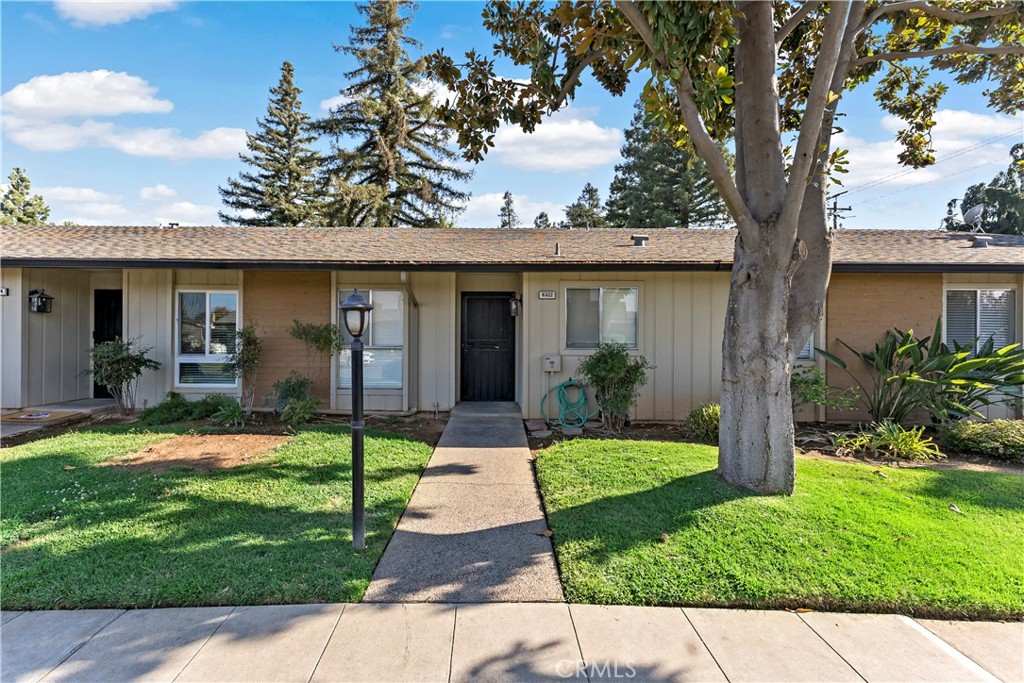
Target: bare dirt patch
{"x":201,"y":452}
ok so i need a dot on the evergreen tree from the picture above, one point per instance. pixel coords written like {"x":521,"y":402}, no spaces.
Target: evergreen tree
{"x":586,"y":211}
{"x":660,"y":185}
{"x":400,"y":144}
{"x":507,"y":216}
{"x":282,"y":187}
{"x":542,"y":220}
{"x":18,"y":206}
{"x":1002,"y":198}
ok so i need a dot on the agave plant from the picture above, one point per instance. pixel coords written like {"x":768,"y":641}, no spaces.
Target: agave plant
{"x":908,"y":373}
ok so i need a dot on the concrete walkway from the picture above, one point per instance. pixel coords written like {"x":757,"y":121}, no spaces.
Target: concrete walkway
{"x":499,"y":642}
{"x":471,"y":532}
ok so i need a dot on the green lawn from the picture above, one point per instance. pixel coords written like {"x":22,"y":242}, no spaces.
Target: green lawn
{"x":277,"y":530}
{"x":650,"y":523}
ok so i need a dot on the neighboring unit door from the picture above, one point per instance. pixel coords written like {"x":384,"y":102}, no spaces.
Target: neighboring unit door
{"x":488,"y":347}
{"x":106,"y":325}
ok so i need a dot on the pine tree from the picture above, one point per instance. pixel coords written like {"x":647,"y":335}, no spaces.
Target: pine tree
{"x":400,"y":144}
{"x":542,"y":220}
{"x":586,"y":211}
{"x":282,"y":188}
{"x":507,"y":216}
{"x":18,"y":206}
{"x":660,"y":185}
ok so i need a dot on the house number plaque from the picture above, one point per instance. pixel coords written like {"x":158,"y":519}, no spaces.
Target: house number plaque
{"x":546,"y":294}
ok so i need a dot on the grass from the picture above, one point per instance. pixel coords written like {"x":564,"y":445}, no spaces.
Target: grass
{"x":651,"y":523}
{"x":277,"y":530}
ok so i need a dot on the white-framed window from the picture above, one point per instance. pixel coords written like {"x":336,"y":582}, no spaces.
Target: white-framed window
{"x":384,"y":343}
{"x":206,"y":322}
{"x":807,"y":352}
{"x":601,"y":314}
{"x":979,"y":314}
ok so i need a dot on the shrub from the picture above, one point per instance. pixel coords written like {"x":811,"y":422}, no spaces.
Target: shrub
{"x":231,"y":415}
{"x":177,"y":408}
{"x":809,"y":387}
{"x":1002,"y":439}
{"x":300,"y":410}
{"x":616,"y":378}
{"x":908,"y":373}
{"x":892,"y":439}
{"x":294,"y":387}
{"x":702,"y":423}
{"x":244,"y":361}
{"x":118,"y":365}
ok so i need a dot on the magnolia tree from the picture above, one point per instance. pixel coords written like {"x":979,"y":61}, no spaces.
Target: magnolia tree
{"x":763,"y":74}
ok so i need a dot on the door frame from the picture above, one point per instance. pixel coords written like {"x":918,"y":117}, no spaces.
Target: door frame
{"x":96,"y":389}
{"x":513,"y":351}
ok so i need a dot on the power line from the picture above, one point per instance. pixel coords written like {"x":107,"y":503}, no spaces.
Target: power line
{"x":933,"y":180}
{"x":899,"y":174}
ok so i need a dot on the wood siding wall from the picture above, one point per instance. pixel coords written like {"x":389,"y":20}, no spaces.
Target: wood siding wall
{"x":681,"y":323}
{"x":13,"y":309}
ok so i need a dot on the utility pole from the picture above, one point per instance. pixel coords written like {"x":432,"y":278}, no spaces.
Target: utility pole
{"x":835,"y":209}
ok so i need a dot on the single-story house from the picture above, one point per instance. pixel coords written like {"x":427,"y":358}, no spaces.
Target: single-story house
{"x":460,"y":314}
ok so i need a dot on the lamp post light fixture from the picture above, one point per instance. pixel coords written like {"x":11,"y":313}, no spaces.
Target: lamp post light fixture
{"x":39,"y":301}
{"x":355,"y":312}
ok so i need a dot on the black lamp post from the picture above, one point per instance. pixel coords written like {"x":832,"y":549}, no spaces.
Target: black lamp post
{"x":355,"y":312}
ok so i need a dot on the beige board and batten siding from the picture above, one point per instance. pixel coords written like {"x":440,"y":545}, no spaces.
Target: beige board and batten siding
{"x":13,"y":309}
{"x":56,"y":344}
{"x":681,"y":323}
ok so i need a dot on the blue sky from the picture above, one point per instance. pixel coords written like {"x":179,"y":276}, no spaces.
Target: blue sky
{"x":134,"y":113}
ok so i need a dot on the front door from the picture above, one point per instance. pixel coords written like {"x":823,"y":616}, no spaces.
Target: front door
{"x":488,"y":347}
{"x":106,"y":324}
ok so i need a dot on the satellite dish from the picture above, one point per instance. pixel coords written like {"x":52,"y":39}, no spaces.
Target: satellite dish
{"x":972,"y":217}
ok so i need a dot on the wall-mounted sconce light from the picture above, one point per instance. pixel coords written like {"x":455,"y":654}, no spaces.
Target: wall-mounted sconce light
{"x":39,"y":301}
{"x":514,"y":306}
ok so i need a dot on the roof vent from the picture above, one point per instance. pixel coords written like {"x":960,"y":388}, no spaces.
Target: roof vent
{"x":980,"y":241}
{"x":640,"y":240}
{"x":172,"y":225}
{"x":558,"y":249}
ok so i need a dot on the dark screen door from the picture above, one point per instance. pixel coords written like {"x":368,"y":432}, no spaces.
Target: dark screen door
{"x":488,"y":347}
{"x":106,"y":324}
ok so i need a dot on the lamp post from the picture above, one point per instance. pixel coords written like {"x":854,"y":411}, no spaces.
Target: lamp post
{"x":355,"y":312}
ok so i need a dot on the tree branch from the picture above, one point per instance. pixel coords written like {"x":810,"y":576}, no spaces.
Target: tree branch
{"x":940,"y":51}
{"x":806,"y":153}
{"x":572,"y":79}
{"x":718,"y":167}
{"x":794,"y":20}
{"x":930,"y":9}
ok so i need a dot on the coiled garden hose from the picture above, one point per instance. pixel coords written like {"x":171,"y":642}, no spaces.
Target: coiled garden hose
{"x":572,"y":411}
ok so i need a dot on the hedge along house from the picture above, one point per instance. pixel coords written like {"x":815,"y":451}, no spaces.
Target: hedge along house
{"x":460,"y":314}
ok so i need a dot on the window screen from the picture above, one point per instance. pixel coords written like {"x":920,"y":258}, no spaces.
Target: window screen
{"x":979,"y":315}
{"x":600,"y":314}
{"x":384,"y":350}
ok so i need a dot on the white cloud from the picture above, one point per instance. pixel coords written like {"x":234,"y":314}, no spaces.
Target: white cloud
{"x":954,"y":132}
{"x":187,"y":213}
{"x":103,"y":12}
{"x":157,"y":192}
{"x":332,"y":102}
{"x":83,"y":93}
{"x":567,"y":141}
{"x":75,"y":194}
{"x":482,"y":210}
{"x":438,"y":90}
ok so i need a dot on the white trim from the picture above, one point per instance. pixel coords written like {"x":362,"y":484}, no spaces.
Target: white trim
{"x":179,"y":358}
{"x":563,"y":332}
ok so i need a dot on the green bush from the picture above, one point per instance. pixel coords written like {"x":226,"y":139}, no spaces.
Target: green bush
{"x":1002,"y":439}
{"x":908,"y":374}
{"x":177,"y":408}
{"x":809,"y":387}
{"x":702,"y":423}
{"x":616,"y":378}
{"x":300,"y":410}
{"x":231,"y":415}
{"x":891,"y":439}
{"x":294,"y":387}
{"x":118,"y":365}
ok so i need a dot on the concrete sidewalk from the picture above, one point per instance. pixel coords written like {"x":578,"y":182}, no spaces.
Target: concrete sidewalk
{"x":499,"y":642}
{"x":472,"y":530}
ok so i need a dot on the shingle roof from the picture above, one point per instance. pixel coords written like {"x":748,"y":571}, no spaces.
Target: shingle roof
{"x":460,"y":248}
